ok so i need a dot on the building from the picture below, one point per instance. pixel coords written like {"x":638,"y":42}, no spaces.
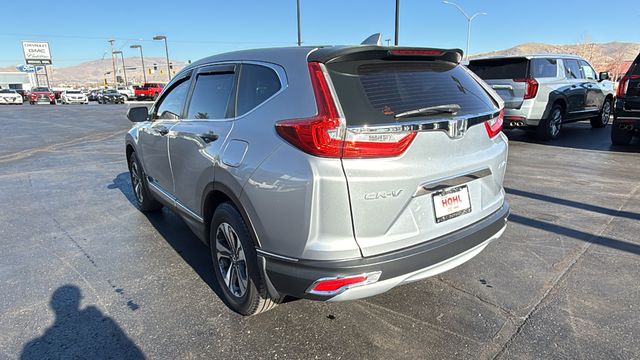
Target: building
{"x":16,"y":80}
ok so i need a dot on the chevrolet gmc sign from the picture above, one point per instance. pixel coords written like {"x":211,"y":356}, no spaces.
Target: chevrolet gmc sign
{"x":36,"y":53}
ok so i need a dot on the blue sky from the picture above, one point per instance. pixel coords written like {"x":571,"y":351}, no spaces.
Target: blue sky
{"x":199,"y":28}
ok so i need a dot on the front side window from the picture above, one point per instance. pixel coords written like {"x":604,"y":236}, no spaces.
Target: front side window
{"x":211,"y":96}
{"x":572,"y":69}
{"x":587,"y":70}
{"x":257,"y":84}
{"x":170,"y":106}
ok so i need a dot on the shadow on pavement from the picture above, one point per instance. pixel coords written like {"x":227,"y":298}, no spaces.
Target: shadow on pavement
{"x":574,"y":204}
{"x":578,"y":136}
{"x":177,"y":234}
{"x":80,"y":333}
{"x":576,"y":234}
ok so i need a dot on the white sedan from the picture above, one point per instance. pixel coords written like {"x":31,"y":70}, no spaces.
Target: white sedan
{"x":73,"y":97}
{"x":9,"y":96}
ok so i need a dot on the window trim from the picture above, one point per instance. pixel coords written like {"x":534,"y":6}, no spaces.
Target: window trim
{"x":279,"y":70}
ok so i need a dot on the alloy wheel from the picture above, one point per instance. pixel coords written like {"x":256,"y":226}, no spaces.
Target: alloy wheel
{"x":231,"y":260}
{"x":136,"y":181}
{"x":606,"y":112}
{"x":556,"y":123}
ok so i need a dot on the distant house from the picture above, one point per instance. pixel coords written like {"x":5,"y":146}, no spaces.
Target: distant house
{"x":14,"y":80}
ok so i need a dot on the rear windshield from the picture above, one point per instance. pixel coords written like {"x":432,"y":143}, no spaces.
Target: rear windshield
{"x":40,"y":89}
{"x":372,"y":92}
{"x":498,"y":69}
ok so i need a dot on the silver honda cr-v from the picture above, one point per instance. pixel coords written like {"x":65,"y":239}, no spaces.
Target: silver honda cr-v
{"x":325,"y":173}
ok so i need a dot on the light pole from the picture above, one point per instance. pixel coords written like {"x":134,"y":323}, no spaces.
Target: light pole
{"x":144,"y":71}
{"x":166,"y":49}
{"x":113,"y":62}
{"x":124,"y":67}
{"x":397,"y":22}
{"x":298,"y":13}
{"x":469,"y":20}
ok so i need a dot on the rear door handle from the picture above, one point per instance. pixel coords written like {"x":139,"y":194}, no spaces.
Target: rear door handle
{"x":209,"y":137}
{"x":162,"y":130}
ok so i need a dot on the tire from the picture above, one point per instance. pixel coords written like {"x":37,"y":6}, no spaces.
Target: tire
{"x":549,"y":128}
{"x":244,"y":292}
{"x":620,"y":136}
{"x":125,"y":98}
{"x":603,"y":117}
{"x":143,"y":197}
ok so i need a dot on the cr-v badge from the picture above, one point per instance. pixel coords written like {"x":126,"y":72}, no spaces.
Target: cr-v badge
{"x":382,"y":195}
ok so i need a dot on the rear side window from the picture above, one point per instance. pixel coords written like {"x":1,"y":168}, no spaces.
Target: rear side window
{"x":543,"y":68}
{"x":372,"y":92}
{"x":211,"y":96}
{"x":257,"y":84}
{"x":572,"y":68}
{"x":500,"y":69}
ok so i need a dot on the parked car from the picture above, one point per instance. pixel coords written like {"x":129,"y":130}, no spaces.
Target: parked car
{"x":10,"y":96}
{"x":73,"y":97}
{"x":626,"y":118}
{"x":41,"y":94}
{"x":92,"y":95}
{"x":547,"y":91}
{"x":110,"y":96}
{"x":377,"y":181}
{"x":126,"y":92}
{"x":148,"y":91}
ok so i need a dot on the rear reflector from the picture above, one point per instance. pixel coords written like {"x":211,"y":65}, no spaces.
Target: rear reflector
{"x":336,"y":285}
{"x":494,"y":126}
{"x":326,"y":135}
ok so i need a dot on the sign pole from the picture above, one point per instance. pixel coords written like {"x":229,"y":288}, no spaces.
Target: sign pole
{"x":46,"y":76}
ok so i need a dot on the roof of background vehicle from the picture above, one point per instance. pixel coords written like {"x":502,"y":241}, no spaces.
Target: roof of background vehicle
{"x":529,"y":56}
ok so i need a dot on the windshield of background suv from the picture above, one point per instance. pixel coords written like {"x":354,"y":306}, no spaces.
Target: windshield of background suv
{"x":499,"y":69}
{"x":373,"y":92}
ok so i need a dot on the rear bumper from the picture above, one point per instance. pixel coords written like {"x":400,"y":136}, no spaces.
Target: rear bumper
{"x":293,"y":277}
{"x":528,"y":114}
{"x":622,"y":116}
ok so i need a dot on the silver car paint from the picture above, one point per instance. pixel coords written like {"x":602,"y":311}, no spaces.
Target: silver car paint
{"x":298,"y":204}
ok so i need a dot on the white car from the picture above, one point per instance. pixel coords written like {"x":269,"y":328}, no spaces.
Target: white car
{"x":73,"y":97}
{"x":9,"y":96}
{"x":126,"y":92}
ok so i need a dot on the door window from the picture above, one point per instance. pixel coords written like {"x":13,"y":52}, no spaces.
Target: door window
{"x":573,"y":69}
{"x":257,"y":84}
{"x":171,"y":104}
{"x":544,"y":68}
{"x":587,"y":70}
{"x":212,"y":96}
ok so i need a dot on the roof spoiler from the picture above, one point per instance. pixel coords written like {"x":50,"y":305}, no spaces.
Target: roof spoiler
{"x":375,"y":52}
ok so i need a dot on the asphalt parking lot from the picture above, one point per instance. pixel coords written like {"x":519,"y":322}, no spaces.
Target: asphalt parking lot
{"x":83,"y":272}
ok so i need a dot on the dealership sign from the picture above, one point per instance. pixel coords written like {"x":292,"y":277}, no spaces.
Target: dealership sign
{"x":36,"y":53}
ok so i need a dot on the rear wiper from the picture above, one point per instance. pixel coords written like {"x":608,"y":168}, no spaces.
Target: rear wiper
{"x":431,"y":110}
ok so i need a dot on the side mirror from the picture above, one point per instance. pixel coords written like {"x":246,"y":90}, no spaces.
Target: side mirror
{"x":138,"y":114}
{"x":603,"y":76}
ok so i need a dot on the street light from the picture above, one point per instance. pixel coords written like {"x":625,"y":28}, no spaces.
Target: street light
{"x":469,"y":20}
{"x":124,"y":67}
{"x":166,"y":49}
{"x":144,"y":71}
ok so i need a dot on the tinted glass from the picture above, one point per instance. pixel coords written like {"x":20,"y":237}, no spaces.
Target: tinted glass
{"x":40,"y":89}
{"x":572,"y":69}
{"x":6,"y":91}
{"x":211,"y":96}
{"x":373,"y":92}
{"x":498,"y":69}
{"x":635,"y":67}
{"x":257,"y":84}
{"x":543,"y":68}
{"x":587,"y":70}
{"x":171,"y":104}
{"x":73,"y":92}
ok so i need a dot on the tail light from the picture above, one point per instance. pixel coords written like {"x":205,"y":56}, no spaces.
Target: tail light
{"x":326,"y":134}
{"x":531,"y":87}
{"x":494,"y":126}
{"x":336,"y":285}
{"x":623,"y":86}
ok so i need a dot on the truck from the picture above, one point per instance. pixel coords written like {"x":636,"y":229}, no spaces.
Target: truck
{"x":148,"y":91}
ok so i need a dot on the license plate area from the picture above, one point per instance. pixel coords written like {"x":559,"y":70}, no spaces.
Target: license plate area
{"x":451,"y":202}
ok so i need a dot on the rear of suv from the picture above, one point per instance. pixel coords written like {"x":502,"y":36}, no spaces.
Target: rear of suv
{"x":331,"y":173}
{"x":626,"y":120}
{"x":546,"y":91}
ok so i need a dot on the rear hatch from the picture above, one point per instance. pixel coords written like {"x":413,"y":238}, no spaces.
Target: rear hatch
{"x":631,"y":85}
{"x":400,"y":165}
{"x":506,"y":76}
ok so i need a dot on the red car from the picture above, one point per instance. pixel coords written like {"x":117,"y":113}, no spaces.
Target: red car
{"x":148,"y":91}
{"x":41,"y":95}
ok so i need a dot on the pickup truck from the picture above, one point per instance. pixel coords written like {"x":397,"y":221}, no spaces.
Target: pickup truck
{"x":148,"y":91}
{"x":127,"y":92}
